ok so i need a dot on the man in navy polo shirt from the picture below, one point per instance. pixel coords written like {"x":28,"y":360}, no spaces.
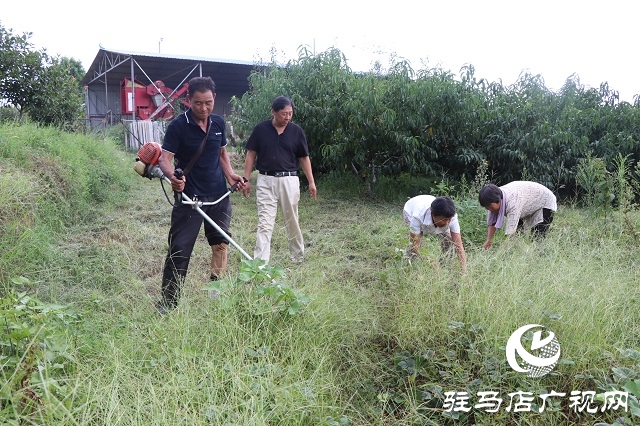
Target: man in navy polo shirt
{"x":276,"y":147}
{"x":206,"y":179}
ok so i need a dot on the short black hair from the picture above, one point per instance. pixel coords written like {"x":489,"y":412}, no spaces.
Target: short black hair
{"x":280,"y":103}
{"x":202,"y":85}
{"x":489,"y":194}
{"x":443,"y":206}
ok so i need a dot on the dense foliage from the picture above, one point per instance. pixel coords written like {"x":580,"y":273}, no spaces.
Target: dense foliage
{"x":399,"y":120}
{"x":46,"y":88}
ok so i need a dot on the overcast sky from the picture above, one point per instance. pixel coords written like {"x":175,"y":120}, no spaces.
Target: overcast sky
{"x":500,"y":38}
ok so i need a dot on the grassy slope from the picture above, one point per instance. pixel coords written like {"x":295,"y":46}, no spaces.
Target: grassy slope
{"x":219,"y":362}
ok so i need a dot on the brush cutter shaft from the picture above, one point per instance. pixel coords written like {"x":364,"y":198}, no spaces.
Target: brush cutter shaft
{"x":147,"y":166}
{"x":196,"y":205}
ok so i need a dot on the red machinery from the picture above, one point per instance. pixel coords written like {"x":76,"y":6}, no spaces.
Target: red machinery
{"x":151,"y":102}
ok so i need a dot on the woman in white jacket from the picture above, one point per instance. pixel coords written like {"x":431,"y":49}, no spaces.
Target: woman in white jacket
{"x":529,"y":205}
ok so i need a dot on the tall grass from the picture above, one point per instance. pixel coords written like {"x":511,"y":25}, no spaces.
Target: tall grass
{"x":378,"y":338}
{"x":51,"y":180}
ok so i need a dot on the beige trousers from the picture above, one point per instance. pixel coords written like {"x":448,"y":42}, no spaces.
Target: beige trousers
{"x":271,"y":191}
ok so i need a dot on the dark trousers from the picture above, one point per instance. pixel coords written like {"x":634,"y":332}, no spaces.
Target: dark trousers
{"x":541,"y":229}
{"x":185,"y":227}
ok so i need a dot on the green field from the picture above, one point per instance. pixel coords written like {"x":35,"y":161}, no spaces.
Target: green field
{"x":380,"y":341}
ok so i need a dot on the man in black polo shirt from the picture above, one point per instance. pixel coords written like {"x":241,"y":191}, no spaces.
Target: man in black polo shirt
{"x":206,"y":179}
{"x":276,"y":147}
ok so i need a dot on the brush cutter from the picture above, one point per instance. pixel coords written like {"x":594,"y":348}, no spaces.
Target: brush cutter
{"x":147,"y":166}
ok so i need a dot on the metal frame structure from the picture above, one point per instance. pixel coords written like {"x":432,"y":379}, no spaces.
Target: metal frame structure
{"x":109,"y":68}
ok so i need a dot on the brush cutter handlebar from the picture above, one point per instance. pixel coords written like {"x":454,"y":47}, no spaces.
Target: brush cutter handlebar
{"x":178,"y":174}
{"x":197,"y":204}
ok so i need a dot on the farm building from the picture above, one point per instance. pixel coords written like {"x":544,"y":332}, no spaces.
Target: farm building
{"x":129,"y":87}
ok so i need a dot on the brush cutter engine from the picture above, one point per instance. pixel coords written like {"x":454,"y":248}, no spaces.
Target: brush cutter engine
{"x":147,"y":161}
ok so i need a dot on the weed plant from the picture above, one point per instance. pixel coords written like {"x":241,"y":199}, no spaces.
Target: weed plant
{"x":379,"y":343}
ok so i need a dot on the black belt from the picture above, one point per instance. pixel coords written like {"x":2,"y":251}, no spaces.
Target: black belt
{"x":280,"y":174}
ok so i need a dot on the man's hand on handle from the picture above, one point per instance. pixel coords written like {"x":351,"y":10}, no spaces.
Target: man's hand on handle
{"x":177,"y":180}
{"x":246,"y":189}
